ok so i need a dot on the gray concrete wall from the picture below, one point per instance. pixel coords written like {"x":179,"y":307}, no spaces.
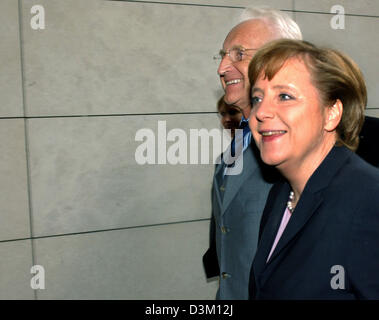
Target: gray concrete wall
{"x":72,"y":197}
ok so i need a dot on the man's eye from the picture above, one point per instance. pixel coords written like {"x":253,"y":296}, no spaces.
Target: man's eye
{"x":255,"y":100}
{"x":285,"y":97}
{"x":239,"y":54}
{"x":233,"y":112}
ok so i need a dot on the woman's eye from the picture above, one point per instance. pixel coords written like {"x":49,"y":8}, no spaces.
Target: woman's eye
{"x":255,"y":101}
{"x":285,"y":97}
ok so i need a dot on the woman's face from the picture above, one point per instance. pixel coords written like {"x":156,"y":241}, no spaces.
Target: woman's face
{"x":287,"y":119}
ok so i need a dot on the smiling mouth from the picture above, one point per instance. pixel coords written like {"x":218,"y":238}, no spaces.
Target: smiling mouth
{"x":272,"y":133}
{"x":232,"y":82}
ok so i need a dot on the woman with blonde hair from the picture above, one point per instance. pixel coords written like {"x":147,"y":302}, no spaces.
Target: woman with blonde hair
{"x":319,"y":235}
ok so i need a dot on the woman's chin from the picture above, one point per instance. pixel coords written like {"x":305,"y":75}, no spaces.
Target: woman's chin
{"x":271,"y":160}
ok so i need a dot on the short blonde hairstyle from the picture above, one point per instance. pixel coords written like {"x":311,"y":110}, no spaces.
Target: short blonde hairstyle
{"x":334,"y":74}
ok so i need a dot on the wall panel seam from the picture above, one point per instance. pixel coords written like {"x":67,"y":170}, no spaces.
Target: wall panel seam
{"x":26,"y":136}
{"x":237,"y":7}
{"x":112,"y":115}
{"x":105,"y":230}
{"x":123,"y":115}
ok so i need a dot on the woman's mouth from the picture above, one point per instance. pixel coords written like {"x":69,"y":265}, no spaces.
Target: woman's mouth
{"x":269,"y":135}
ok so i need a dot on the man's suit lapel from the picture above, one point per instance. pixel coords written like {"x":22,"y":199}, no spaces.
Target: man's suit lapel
{"x":218,"y":183}
{"x":234,"y":182}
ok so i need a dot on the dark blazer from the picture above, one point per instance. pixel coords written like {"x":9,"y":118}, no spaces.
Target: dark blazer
{"x":369,"y":141}
{"x":334,"y":225}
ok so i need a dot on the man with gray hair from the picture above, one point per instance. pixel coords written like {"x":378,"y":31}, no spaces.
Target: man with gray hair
{"x":238,"y":200}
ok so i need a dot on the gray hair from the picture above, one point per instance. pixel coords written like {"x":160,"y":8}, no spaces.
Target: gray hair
{"x":280,"y":22}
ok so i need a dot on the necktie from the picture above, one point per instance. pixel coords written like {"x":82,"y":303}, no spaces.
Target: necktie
{"x":244,"y":125}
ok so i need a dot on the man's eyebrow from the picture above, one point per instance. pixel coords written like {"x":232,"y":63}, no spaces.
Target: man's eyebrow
{"x":237,"y":46}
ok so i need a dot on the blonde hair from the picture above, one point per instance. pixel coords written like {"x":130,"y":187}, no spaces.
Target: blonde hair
{"x":334,"y":74}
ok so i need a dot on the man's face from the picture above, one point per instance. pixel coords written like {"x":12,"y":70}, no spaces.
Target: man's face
{"x":230,"y":117}
{"x":250,"y":34}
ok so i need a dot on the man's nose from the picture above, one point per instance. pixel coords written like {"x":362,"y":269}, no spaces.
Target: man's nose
{"x":227,"y":118}
{"x":224,"y":65}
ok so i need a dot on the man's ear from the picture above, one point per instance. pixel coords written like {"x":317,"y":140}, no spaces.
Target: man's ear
{"x":333,"y":115}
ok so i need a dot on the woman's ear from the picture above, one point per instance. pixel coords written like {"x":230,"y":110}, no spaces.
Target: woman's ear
{"x":333,"y":115}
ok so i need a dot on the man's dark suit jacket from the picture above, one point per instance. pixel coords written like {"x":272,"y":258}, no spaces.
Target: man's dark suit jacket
{"x":369,"y":141}
{"x":331,"y":238}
